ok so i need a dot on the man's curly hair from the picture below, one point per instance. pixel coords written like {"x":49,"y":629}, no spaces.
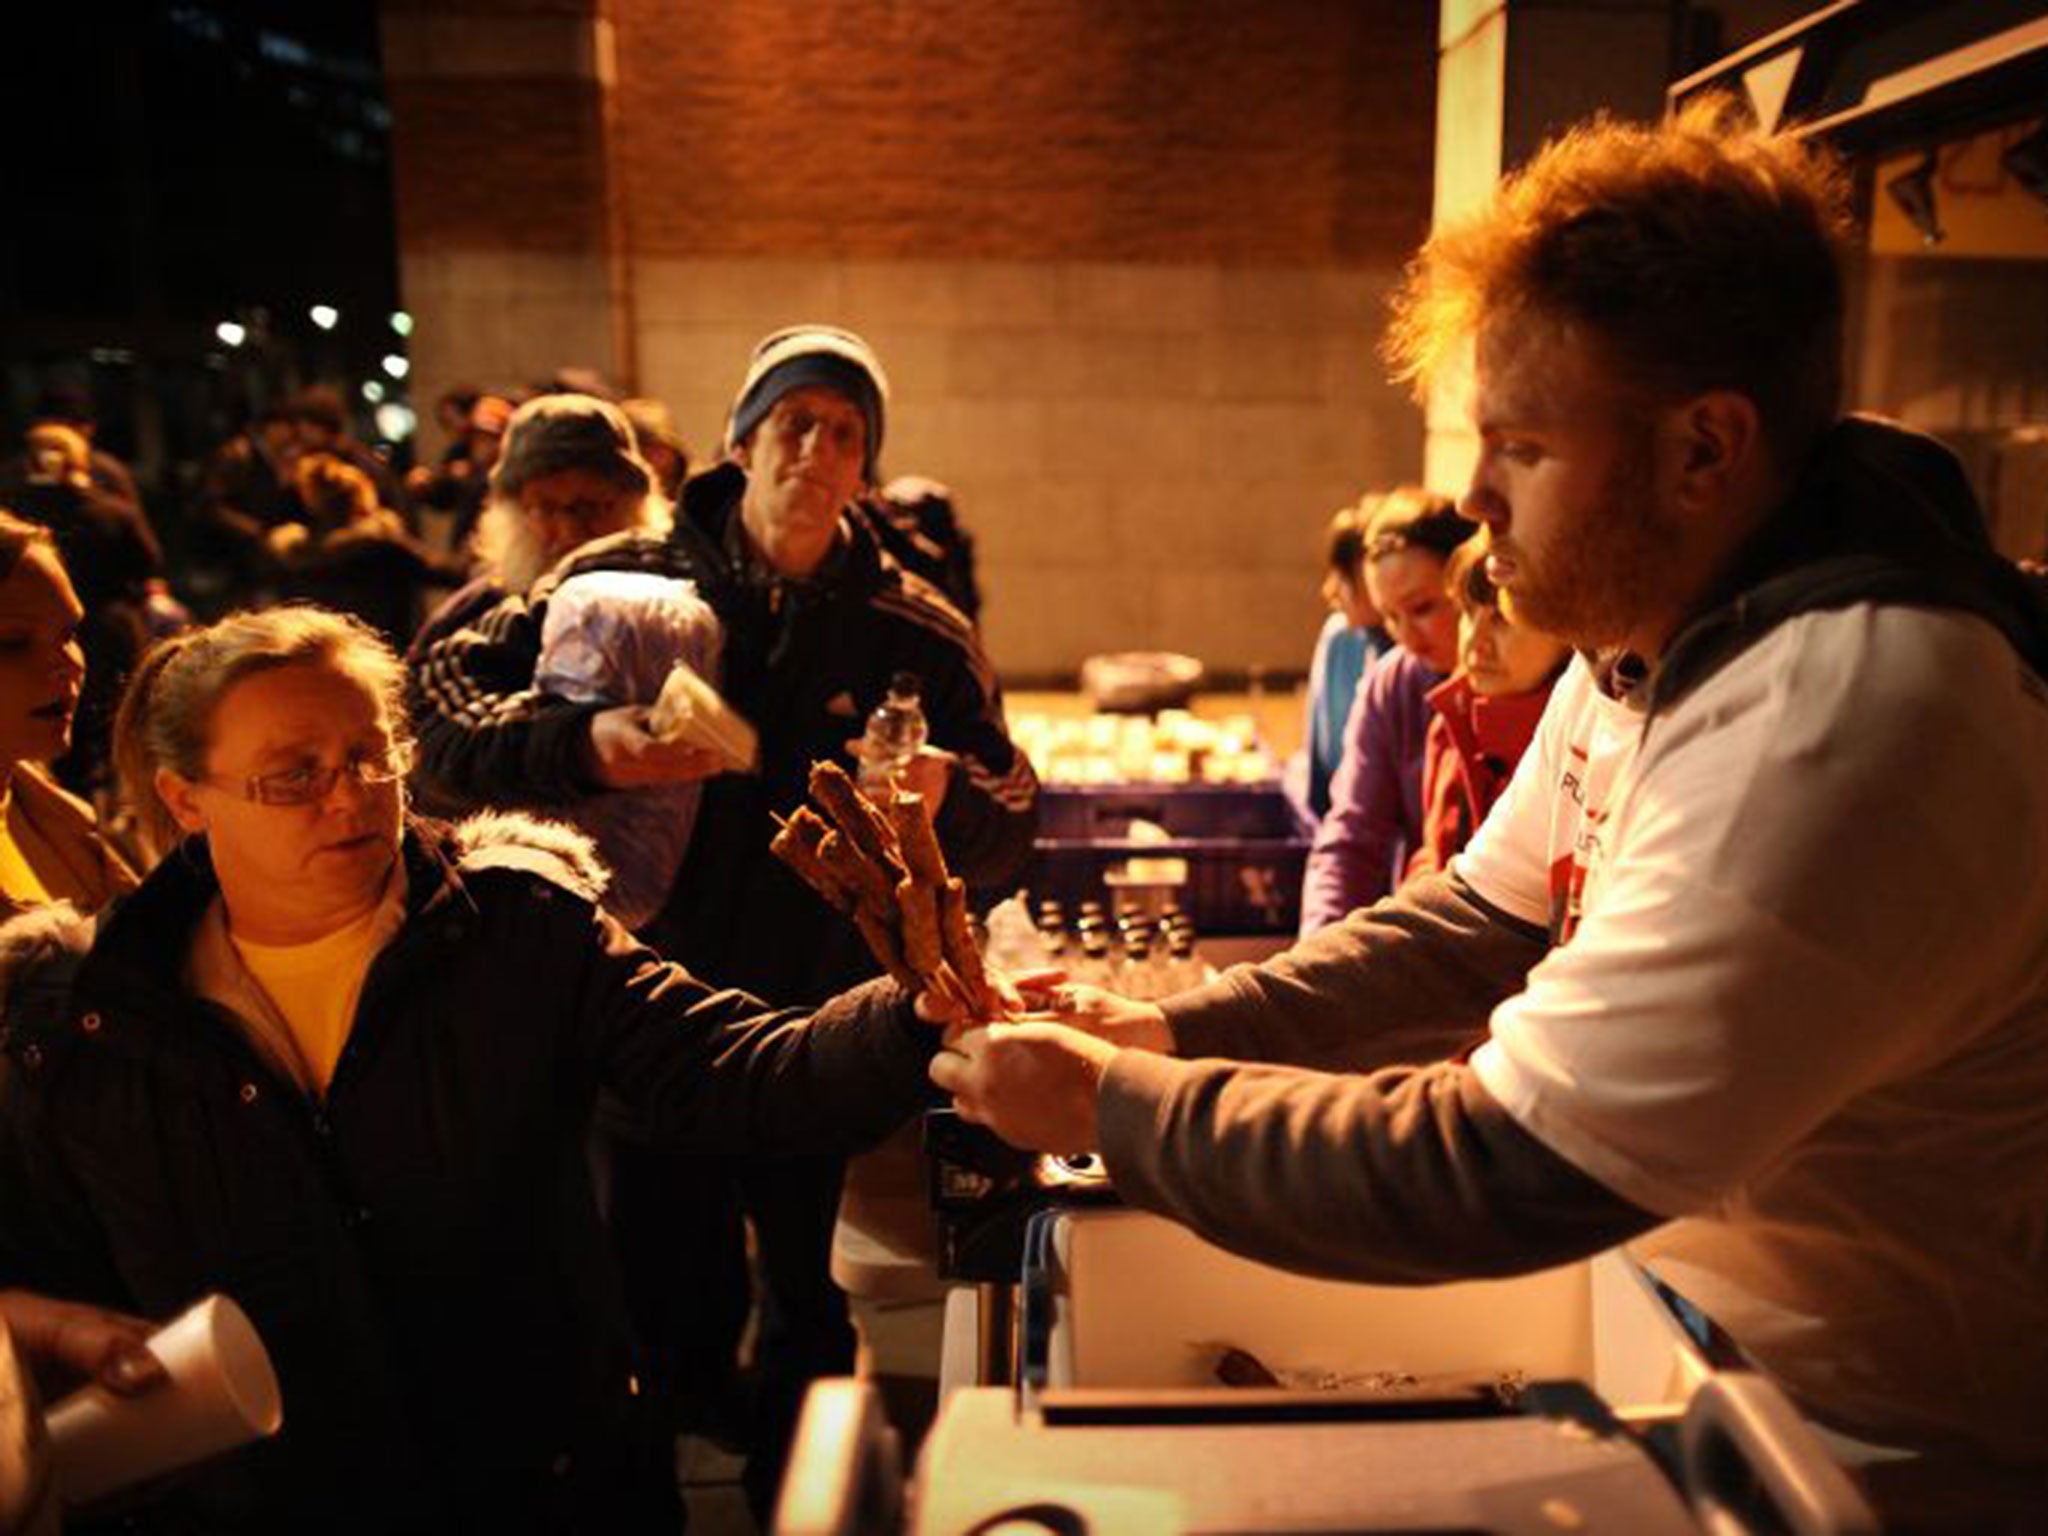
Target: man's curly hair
{"x":1699,"y":254}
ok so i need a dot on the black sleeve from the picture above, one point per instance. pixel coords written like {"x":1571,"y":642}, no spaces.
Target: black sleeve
{"x":49,"y":1240}
{"x":717,"y":1070}
{"x":224,"y":496}
{"x":989,"y":818}
{"x":487,"y":737}
{"x":130,"y":541}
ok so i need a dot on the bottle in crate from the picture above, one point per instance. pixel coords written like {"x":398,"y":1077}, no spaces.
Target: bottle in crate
{"x":1134,"y":975}
{"x":1095,"y":969}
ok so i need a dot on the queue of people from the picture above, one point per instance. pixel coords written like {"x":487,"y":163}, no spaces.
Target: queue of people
{"x":355,"y":1061}
{"x":1625,"y":927}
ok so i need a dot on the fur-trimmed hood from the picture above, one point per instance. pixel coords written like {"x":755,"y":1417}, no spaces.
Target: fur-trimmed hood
{"x":40,"y":952}
{"x":553,"y":850}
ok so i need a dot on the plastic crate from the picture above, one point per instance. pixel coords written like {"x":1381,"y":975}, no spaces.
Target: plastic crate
{"x":1229,"y":884}
{"x":1068,"y":813}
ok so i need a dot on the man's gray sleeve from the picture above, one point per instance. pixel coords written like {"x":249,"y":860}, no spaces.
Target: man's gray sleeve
{"x":1407,"y":980}
{"x":1408,"y":1175}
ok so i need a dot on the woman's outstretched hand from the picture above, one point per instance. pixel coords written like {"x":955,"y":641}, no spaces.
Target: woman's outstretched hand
{"x":1109,"y":1016}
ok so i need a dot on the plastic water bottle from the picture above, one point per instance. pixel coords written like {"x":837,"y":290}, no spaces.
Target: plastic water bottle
{"x":1014,"y":941}
{"x":1133,"y":975}
{"x":896,"y":732}
{"x":1182,"y":969}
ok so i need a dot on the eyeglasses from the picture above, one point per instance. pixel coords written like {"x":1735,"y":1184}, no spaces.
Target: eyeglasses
{"x":310,"y":783}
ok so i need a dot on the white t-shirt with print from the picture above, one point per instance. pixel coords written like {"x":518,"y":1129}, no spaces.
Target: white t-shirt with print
{"x":1801,"y":1005}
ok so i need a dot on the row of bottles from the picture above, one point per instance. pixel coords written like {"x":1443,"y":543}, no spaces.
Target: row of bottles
{"x":1138,"y":955}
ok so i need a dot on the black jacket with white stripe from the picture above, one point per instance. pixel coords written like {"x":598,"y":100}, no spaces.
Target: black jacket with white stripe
{"x":805,"y":662}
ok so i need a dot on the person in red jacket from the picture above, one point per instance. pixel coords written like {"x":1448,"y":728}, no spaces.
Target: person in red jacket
{"x":1485,"y":712}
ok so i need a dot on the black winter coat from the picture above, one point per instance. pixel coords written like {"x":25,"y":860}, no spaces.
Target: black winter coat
{"x":421,"y":1250}
{"x":805,"y":662}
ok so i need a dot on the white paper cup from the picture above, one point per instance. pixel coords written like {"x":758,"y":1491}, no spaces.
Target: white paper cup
{"x":222,"y":1393}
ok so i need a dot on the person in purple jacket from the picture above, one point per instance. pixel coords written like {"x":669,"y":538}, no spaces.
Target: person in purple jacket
{"x":1375,"y":818}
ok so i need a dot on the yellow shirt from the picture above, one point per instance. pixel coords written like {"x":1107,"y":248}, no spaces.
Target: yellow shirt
{"x":19,"y":882}
{"x":314,"y":987}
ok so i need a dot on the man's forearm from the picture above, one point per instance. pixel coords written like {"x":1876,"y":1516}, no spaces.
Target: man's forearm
{"x":1405,"y":1176}
{"x":1408,"y":980}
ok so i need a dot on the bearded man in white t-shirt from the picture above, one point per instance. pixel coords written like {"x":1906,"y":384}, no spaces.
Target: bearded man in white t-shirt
{"x":1749,"y":967}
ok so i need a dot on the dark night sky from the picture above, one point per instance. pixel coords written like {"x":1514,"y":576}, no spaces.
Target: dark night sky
{"x":248,"y":142}
{"x":194,"y":162}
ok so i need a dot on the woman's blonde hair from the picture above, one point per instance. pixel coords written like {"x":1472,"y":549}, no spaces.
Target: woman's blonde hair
{"x":166,"y":715}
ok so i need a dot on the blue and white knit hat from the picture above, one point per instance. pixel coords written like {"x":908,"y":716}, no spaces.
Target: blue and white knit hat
{"x":821,"y":355}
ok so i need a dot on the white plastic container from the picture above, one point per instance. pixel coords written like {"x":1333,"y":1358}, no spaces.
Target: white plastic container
{"x":1141,"y":1302}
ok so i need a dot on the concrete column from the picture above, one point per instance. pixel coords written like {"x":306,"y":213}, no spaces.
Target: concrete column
{"x":1510,"y":75}
{"x":510,"y":230}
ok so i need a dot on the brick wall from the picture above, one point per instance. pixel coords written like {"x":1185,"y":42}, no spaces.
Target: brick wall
{"x":464,"y":140}
{"x":1081,"y":130}
{"x":1125,"y":262}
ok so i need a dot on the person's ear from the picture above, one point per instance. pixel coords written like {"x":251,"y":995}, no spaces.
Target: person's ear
{"x":180,"y":798}
{"x":742,"y":452}
{"x":1718,"y":448}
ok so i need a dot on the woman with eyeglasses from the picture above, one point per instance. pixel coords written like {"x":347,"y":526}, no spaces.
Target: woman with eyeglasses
{"x":341,"y":1064}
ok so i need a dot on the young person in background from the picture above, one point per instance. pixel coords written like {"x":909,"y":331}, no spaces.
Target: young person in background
{"x":1485,"y":712}
{"x":1350,"y":641}
{"x":1374,"y":824}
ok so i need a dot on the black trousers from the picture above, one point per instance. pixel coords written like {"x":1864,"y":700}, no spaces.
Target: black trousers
{"x":678,"y":1228}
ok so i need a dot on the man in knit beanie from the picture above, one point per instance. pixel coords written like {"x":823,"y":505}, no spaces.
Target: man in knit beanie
{"x":817,"y":619}
{"x":822,"y":356}
{"x":807,"y":428}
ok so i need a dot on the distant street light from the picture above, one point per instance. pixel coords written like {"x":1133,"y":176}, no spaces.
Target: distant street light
{"x":395,"y":422}
{"x":231,"y":333}
{"x":372,"y":391}
{"x":396,"y":366}
{"x":326,"y":316}
{"x":401,"y":322}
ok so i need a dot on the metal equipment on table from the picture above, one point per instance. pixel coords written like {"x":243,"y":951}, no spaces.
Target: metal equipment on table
{"x":1082,"y":1363}
{"x":1162,"y":1464}
{"x":985,"y":1195}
